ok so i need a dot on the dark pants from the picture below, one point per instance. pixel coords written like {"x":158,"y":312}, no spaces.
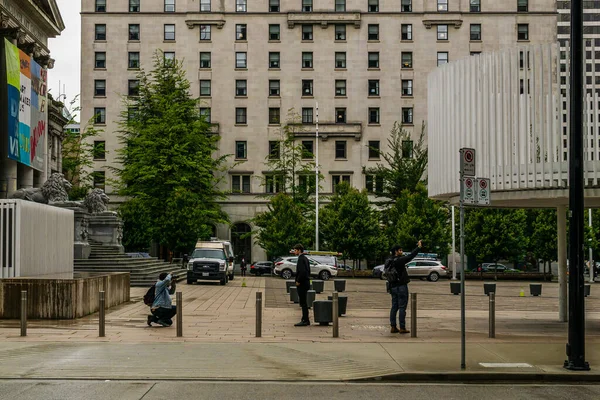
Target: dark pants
{"x":243,"y":271}
{"x":399,"y":303}
{"x":302,"y":291}
{"x":163,"y":314}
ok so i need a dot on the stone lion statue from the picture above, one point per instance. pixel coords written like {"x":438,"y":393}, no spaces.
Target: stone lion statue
{"x":54,"y":190}
{"x":96,"y":201}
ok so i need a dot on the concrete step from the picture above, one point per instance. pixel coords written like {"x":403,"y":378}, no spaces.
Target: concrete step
{"x":116,"y":261}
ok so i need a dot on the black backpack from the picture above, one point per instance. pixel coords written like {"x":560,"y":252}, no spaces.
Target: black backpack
{"x":149,"y":296}
{"x":390,"y":272}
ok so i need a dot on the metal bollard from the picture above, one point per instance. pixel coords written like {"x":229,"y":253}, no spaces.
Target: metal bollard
{"x":492,"y":315}
{"x":101,"y":314}
{"x":258,"y":314}
{"x":336,"y":324}
{"x":23,"y":312}
{"x":179,"y":299}
{"x":413,"y":315}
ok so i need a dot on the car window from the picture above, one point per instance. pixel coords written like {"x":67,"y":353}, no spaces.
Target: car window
{"x":411,"y":264}
{"x":293,"y":260}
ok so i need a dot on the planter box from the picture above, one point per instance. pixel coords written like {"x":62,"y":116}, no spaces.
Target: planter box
{"x":339,"y":285}
{"x":289,"y":284}
{"x":294,"y":294}
{"x":489,"y":288}
{"x":318,"y":286}
{"x":323,"y":312}
{"x":455,"y":288}
{"x":535,"y":289}
{"x":342,"y":304}
{"x":311,"y":295}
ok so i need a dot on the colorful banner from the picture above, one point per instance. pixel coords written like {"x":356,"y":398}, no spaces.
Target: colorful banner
{"x":26,"y":84}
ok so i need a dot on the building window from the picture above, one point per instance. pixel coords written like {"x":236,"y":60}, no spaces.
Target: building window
{"x":340,"y":149}
{"x":374,"y":115}
{"x":307,"y":32}
{"x":442,"y":32}
{"x":132,"y":113}
{"x":205,"y":59}
{"x":240,"y":32}
{"x":169,"y":58}
{"x":241,"y":147}
{"x":307,"y":87}
{"x":134,"y":5}
{"x":133,"y":87}
{"x":205,"y":32}
{"x":99,"y":178}
{"x":307,"y":115}
{"x":100,"y":60}
{"x":406,"y":30}
{"x":407,"y":115}
{"x":475,"y":6}
{"x":205,"y":112}
{"x":274,"y":59}
{"x":406,"y":6}
{"x":274,"y":32}
{"x":340,"y":32}
{"x":99,"y":115}
{"x":340,"y":5}
{"x":273,"y":5}
{"x":133,"y":61}
{"x":240,"y":116}
{"x":340,"y":115}
{"x":274,"y":87}
{"x":374,"y":60}
{"x":337,"y":179}
{"x":274,"y":116}
{"x":374,"y":87}
{"x":274,"y":151}
{"x":340,"y":87}
{"x":374,"y":149}
{"x":240,"y":5}
{"x":241,"y":88}
{"x":241,"y":59}
{"x":205,"y":87}
{"x":373,"y":5}
{"x":442,"y":58}
{"x":475,"y":31}
{"x":204,"y":5}
{"x":100,"y":31}
{"x":407,"y":60}
{"x":374,"y":183}
{"x":240,"y":183}
{"x":407,"y":87}
{"x":522,"y":5}
{"x":99,"y":150}
{"x":407,"y":149}
{"x":307,"y":149}
{"x":273,"y":183}
{"x":340,"y":59}
{"x":99,"y":88}
{"x":307,"y":59}
{"x":169,"y":5}
{"x":169,"y":32}
{"x":307,"y":183}
{"x":442,"y":5}
{"x":134,"y":32}
{"x":373,"y":32}
{"x":475,"y":53}
{"x":100,"y":5}
{"x":523,"y":31}
{"x":307,"y":5}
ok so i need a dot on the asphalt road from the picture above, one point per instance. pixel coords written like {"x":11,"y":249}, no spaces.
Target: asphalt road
{"x":155,"y":390}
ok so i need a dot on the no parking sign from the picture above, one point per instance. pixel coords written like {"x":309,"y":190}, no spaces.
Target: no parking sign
{"x":482,"y":186}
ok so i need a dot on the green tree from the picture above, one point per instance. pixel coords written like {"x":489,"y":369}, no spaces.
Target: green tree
{"x":282,"y":226}
{"x":349,"y":224}
{"x":543,"y":242}
{"x":168,"y":169}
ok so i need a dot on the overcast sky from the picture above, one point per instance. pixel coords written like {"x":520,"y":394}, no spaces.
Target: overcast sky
{"x":66,"y":50}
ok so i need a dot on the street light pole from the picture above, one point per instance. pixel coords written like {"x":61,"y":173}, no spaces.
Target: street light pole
{"x":317,"y":179}
{"x":453,"y":246}
{"x":592,"y":264}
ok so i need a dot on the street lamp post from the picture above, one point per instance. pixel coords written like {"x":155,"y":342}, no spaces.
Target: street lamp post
{"x":317,"y":178}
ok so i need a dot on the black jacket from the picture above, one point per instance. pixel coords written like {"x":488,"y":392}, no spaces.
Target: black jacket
{"x":400,"y":265}
{"x":303,"y":270}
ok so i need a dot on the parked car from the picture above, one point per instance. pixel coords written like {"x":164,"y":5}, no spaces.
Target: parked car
{"x":286,"y":268}
{"x":492,"y":267}
{"x":433,"y":270}
{"x":261,"y":267}
{"x":344,"y":267}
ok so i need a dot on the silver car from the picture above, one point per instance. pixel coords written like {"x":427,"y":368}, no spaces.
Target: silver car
{"x":433,"y":270}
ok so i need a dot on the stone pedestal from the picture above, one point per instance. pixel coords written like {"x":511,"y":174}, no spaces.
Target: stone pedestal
{"x":107,"y":229}
{"x":81,"y":246}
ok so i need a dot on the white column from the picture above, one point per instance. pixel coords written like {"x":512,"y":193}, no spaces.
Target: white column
{"x":561,"y":214}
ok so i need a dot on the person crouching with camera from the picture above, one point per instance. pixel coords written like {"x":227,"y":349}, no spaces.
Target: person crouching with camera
{"x":162,"y":309}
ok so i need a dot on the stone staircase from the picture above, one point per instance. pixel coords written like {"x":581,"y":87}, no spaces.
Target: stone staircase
{"x":143,"y":271}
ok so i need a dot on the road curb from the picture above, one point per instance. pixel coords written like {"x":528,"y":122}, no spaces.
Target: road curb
{"x":487,"y":377}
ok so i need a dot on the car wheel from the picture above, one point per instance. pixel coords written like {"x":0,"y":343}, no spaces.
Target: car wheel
{"x":286,"y":274}
{"x":223,"y":282}
{"x":434,"y":277}
{"x":190,"y":281}
{"x":324,"y":275}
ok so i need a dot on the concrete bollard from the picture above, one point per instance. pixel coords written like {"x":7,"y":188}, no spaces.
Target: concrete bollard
{"x":258,"y":314}
{"x":336,"y":326}
{"x":23,"y":312}
{"x":179,"y":299}
{"x":101,"y":314}
{"x":413,"y":315}
{"x":492,"y":315}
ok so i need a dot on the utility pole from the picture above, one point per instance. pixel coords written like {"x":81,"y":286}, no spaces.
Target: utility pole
{"x":317,"y":179}
{"x":453,"y":246}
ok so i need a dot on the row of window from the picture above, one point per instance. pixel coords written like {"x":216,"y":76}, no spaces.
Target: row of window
{"x":241,"y":32}
{"x":307,"y":5}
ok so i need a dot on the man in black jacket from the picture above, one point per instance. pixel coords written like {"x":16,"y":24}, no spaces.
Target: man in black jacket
{"x":399,"y":288}
{"x":302,"y":282}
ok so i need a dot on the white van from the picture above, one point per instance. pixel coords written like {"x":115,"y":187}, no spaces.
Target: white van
{"x":211,"y":260}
